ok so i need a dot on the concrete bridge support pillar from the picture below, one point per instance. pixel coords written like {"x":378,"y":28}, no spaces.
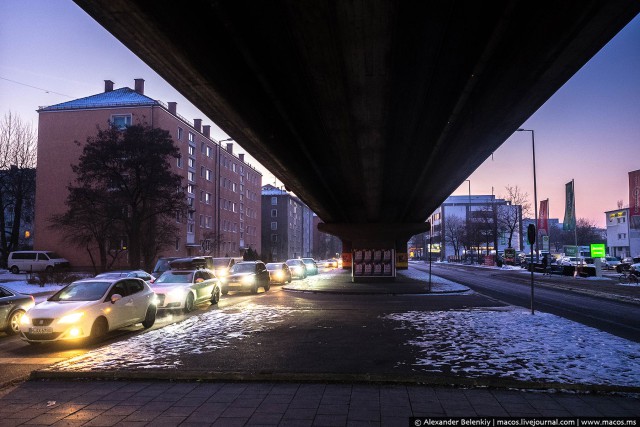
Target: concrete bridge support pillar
{"x":374,"y":236}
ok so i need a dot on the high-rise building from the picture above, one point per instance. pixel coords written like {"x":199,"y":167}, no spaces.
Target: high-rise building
{"x":223,"y":191}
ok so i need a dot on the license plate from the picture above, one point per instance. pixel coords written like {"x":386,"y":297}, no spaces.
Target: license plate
{"x":41,"y":330}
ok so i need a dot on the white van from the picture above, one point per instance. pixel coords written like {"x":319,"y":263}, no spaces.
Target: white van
{"x":33,"y":261}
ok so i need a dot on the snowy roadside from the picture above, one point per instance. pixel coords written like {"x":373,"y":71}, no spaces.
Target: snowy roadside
{"x":19,"y":283}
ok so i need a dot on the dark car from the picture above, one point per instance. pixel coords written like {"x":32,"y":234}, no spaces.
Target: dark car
{"x":162,"y":265}
{"x":13,"y":305}
{"x":312,"y":266}
{"x":140,"y":274}
{"x":246,"y":275}
{"x":279,"y":272}
{"x":625,"y":264}
{"x":298,"y":268}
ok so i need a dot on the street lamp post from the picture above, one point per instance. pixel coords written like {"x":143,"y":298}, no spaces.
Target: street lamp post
{"x":469,"y":220}
{"x":535,"y":190}
{"x":218,"y":195}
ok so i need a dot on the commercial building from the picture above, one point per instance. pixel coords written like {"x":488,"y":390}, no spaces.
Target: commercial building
{"x":622,"y":240}
{"x":469,"y":226}
{"x":223,"y":191}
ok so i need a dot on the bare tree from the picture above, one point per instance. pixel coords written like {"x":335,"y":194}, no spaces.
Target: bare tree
{"x":17,"y":186}
{"x":454,"y":233}
{"x":510,"y":217}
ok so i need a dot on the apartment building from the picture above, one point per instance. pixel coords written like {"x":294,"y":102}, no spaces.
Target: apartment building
{"x":223,"y":191}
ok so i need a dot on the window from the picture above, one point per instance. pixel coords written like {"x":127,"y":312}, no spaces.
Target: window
{"x":203,"y":148}
{"x":274,"y":238}
{"x":179,"y":162}
{"x":202,"y":169}
{"x":209,"y":151}
{"x":180,"y":131}
{"x":233,"y":167}
{"x":209,"y":221}
{"x":207,"y":198}
{"x":192,"y":163}
{"x":209,"y":175}
{"x":121,"y":121}
{"x":274,"y":225}
{"x":177,"y":243}
{"x":274,"y":213}
{"x":274,"y":201}
{"x":201,"y":221}
{"x":190,"y":191}
{"x":191,"y":176}
{"x":191,"y":137}
{"x":192,"y":150}
{"x":191,"y":228}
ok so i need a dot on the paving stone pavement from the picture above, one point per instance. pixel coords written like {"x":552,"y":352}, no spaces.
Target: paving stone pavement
{"x":169,"y":403}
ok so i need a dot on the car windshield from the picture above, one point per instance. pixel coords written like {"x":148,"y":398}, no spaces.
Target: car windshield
{"x":243,"y":268}
{"x":175,"y":277}
{"x":82,"y":291}
{"x":112,"y":275}
{"x":274,"y":266}
{"x":308,"y":261}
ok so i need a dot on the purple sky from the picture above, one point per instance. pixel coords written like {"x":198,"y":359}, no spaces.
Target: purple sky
{"x":589,"y":130}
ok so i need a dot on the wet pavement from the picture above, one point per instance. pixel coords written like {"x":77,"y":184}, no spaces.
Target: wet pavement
{"x":311,"y":354}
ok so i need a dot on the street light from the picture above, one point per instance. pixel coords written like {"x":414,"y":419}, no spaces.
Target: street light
{"x":535,"y":190}
{"x":469,"y":219}
{"x":217,"y":187}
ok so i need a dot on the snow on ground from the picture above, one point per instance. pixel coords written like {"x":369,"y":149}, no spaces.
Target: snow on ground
{"x":438,"y":284}
{"x":163,"y":348}
{"x":18,"y":283}
{"x":512,"y":343}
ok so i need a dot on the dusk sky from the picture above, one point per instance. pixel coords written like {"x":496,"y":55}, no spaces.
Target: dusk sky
{"x":53,"y":52}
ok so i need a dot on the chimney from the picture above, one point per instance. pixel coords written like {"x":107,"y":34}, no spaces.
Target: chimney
{"x":197,"y":124}
{"x":230,"y":147}
{"x":206,"y":131}
{"x":108,"y":86}
{"x":139,"y":86}
{"x":241,"y":157}
{"x":173,"y":107}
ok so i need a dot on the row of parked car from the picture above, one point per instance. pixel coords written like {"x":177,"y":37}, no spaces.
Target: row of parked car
{"x":89,"y":308}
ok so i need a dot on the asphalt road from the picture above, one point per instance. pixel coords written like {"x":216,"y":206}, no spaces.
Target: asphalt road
{"x":576,"y":299}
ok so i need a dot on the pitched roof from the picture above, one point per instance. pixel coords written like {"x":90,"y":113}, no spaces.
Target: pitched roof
{"x":116,"y":98}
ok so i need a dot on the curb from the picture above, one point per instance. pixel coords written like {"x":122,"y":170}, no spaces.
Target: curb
{"x":399,"y":292}
{"x":423,"y":380}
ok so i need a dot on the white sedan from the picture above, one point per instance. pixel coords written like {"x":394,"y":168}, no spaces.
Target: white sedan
{"x":89,"y":309}
{"x":182,"y":289}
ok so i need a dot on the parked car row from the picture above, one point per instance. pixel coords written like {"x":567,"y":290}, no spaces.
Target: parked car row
{"x":90,"y":308}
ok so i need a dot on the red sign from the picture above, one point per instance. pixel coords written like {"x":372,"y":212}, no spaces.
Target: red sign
{"x":543,"y":218}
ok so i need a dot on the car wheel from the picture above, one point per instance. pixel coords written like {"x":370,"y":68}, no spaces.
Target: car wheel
{"x":215,"y":295}
{"x":188,"y":303}
{"x":13,"y":326}
{"x":15,"y":270}
{"x":99,"y":329}
{"x":224,"y":291}
{"x":150,"y":317}
{"x":267,"y":286}
{"x":49,"y":269}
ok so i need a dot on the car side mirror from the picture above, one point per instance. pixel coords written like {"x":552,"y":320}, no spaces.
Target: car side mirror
{"x":115,"y":298}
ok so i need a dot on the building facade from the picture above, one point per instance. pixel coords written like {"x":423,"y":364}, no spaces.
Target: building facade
{"x":621,"y":241}
{"x":471,"y":225}
{"x":223,"y":191}
{"x":286,"y":221}
{"x":324,"y":245}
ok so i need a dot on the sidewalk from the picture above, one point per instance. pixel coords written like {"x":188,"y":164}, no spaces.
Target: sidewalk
{"x":164,"y":403}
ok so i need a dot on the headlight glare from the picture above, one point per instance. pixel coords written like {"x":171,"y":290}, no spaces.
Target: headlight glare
{"x":71,"y":318}
{"x":176,"y":293}
{"x":247,"y":279}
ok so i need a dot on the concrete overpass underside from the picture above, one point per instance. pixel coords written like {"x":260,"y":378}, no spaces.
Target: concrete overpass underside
{"x":371,"y":111}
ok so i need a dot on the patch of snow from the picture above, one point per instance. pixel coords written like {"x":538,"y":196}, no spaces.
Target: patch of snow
{"x":512,"y":343}
{"x":438,"y":284}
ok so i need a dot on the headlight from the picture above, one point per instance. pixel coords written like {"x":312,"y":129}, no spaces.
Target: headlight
{"x":25,"y":320}
{"x":176,"y":293}
{"x":247,"y":279}
{"x":279,"y":275}
{"x":71,"y":318}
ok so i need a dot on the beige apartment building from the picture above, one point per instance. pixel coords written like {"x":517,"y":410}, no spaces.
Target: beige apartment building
{"x":223,"y":191}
